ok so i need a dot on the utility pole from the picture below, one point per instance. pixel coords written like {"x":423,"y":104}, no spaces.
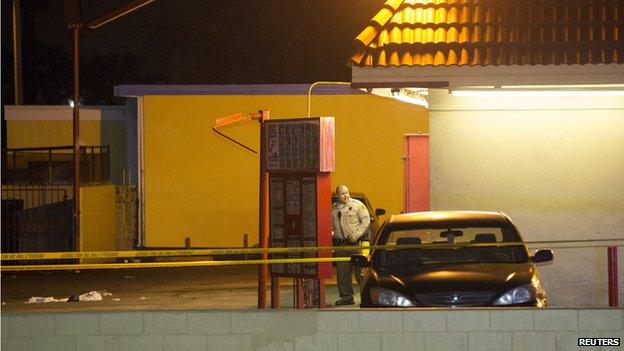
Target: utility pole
{"x":17,"y":53}
{"x":74,"y":22}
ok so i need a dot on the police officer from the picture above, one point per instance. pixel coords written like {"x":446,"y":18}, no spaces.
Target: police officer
{"x":350,"y":220}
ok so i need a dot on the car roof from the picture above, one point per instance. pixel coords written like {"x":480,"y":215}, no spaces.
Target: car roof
{"x":449,"y":216}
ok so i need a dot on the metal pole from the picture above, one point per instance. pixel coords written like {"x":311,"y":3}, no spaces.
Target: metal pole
{"x":275,"y":292}
{"x":263,"y":269}
{"x":17,"y":53}
{"x":76,"y":128}
{"x":613,"y":275}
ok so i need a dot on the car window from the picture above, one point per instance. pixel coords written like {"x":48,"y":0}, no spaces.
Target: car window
{"x":459,"y":235}
{"x":433,"y":250}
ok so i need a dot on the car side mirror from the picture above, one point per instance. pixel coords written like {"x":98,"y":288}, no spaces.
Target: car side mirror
{"x":542,"y":256}
{"x":380,"y":211}
{"x":360,"y":261}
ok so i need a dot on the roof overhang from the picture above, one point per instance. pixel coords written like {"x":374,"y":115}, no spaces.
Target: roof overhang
{"x":485,"y":76}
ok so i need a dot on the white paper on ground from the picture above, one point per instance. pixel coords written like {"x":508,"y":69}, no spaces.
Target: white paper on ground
{"x":90,"y":296}
{"x":41,"y":299}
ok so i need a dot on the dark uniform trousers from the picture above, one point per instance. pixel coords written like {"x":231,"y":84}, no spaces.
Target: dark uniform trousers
{"x":344,"y":270}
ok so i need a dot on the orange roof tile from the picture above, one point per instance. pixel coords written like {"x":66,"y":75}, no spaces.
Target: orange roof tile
{"x":493,"y":32}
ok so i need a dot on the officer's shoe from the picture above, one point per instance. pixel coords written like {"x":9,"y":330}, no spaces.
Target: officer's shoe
{"x":345,"y":302}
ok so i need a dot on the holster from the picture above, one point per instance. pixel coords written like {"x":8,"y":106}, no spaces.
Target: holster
{"x":362,"y":241}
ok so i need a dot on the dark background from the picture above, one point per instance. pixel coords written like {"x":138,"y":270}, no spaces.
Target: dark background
{"x":182,"y":42}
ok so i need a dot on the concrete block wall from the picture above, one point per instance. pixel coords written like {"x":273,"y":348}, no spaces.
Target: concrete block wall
{"x":361,"y":330}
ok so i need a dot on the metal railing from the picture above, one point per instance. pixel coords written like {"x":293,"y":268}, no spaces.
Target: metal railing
{"x":54,"y":165}
{"x":36,"y":218}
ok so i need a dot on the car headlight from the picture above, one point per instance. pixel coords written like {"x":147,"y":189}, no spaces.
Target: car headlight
{"x":520,"y":294}
{"x":386,"y":297}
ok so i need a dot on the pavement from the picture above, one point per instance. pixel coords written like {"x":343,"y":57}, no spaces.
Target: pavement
{"x":196,"y":288}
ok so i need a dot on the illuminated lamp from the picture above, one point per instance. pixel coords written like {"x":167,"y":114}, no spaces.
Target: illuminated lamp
{"x":540,"y":90}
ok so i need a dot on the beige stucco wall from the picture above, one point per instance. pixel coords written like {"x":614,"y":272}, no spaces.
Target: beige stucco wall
{"x":556,"y":166}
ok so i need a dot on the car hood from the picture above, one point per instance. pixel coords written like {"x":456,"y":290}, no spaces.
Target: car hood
{"x":457,"y":277}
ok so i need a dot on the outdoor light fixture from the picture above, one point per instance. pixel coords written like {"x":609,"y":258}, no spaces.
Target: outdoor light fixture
{"x":415,"y":96}
{"x":540,"y":90}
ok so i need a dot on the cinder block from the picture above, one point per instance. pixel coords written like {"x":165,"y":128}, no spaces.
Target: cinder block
{"x":165,"y":323}
{"x":489,"y":341}
{"x":600,"y":319}
{"x":185,"y":343}
{"x":467,"y":320}
{"x":298,"y":322}
{"x":455,"y":341}
{"x":55,"y":343}
{"x":142,"y":342}
{"x":286,"y":345}
{"x":359,"y":341}
{"x":416,"y":320}
{"x":613,"y":334}
{"x":511,"y":320}
{"x":5,"y":326}
{"x":17,"y":344}
{"x":543,"y":341}
{"x":229,"y":342}
{"x":208,"y":323}
{"x":403,"y":341}
{"x":381,"y":321}
{"x":569,"y":341}
{"x":564,"y":320}
{"x":31,"y":325}
{"x":251,"y":322}
{"x":97,"y":343}
{"x":76,"y":324}
{"x":121,"y":323}
{"x":322,"y":341}
{"x":338,"y":321}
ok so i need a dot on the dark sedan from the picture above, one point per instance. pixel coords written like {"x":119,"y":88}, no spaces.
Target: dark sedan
{"x":451,"y":259}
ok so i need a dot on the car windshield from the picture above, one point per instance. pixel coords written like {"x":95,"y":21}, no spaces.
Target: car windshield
{"x":437,"y":246}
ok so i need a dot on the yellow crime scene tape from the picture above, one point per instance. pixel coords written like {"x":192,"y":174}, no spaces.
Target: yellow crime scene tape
{"x":59,"y":267}
{"x":273,"y":250}
{"x":364,"y":249}
{"x":225,"y":251}
{"x":160,"y":253}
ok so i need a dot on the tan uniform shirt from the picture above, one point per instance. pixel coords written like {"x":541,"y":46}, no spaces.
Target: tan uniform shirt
{"x":350,"y":221}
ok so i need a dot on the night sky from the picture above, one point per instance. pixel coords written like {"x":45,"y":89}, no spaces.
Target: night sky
{"x":183,"y":41}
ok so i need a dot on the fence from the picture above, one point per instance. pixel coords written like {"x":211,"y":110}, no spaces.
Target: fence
{"x":36,"y":194}
{"x":125,"y":217}
{"x":36,"y":218}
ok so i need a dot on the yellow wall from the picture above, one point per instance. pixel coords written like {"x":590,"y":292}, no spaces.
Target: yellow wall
{"x":42,"y":133}
{"x":200,"y":185}
{"x":97,"y":218}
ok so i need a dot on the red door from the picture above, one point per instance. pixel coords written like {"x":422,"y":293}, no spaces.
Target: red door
{"x":416,"y":173}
